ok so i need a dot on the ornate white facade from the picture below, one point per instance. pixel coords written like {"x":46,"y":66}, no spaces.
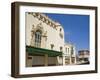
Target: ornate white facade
{"x":43,"y":32}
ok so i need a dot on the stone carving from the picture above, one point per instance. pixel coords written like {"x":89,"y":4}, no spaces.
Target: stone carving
{"x":44,"y":35}
{"x":44,"y":19}
{"x":40,"y":27}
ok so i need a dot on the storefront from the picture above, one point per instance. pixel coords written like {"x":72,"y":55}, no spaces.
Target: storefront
{"x":41,"y":57}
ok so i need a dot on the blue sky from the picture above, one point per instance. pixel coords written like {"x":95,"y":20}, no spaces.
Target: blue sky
{"x":76,"y":28}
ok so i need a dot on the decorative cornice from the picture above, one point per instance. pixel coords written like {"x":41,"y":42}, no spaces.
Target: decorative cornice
{"x":44,"y":18}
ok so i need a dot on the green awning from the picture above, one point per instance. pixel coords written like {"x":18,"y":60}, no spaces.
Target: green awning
{"x":40,"y":51}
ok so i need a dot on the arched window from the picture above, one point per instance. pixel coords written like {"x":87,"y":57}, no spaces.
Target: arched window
{"x":38,"y":35}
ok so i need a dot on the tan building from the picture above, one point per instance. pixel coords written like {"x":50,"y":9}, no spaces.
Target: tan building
{"x":45,"y":43}
{"x":70,"y":54}
{"x":83,"y":56}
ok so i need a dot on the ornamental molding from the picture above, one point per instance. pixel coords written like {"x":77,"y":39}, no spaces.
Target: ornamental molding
{"x":38,"y":27}
{"x":45,"y":19}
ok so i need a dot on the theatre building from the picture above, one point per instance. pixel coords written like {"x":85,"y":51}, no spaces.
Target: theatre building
{"x":45,"y":43}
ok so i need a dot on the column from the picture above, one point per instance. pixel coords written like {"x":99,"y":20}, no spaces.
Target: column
{"x":70,"y":60}
{"x":46,"y":60}
{"x":57,"y":60}
{"x":75,"y":56}
{"x":29,"y":60}
{"x":26,"y":59}
{"x":75,"y":60}
{"x":63,"y":60}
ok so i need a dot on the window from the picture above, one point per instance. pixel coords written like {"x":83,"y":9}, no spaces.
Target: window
{"x":60,"y":29}
{"x":52,"y":46}
{"x":60,"y":33}
{"x":72,"y":50}
{"x":61,"y":49}
{"x":66,"y":50}
{"x":38,"y":38}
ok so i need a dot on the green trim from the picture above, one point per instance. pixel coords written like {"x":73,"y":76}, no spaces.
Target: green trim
{"x":40,"y":51}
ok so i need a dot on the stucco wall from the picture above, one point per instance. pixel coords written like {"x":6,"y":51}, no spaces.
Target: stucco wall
{"x":53,"y":36}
